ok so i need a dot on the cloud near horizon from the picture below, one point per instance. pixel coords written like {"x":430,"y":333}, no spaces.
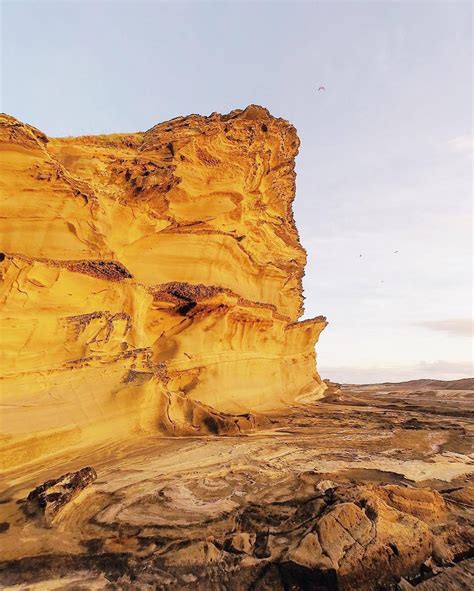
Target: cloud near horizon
{"x":459,"y":327}
{"x":442,"y":370}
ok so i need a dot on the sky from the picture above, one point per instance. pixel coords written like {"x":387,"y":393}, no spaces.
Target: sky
{"x":384,"y":185}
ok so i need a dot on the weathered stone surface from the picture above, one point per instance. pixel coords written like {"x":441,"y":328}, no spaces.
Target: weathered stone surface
{"x":338,"y":495}
{"x":422,"y":503}
{"x":457,"y":578}
{"x":151,"y":282}
{"x":151,"y":286}
{"x":48,"y":499}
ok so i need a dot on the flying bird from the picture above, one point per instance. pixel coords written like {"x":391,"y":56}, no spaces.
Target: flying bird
{"x":395,"y":251}
{"x":321,"y":88}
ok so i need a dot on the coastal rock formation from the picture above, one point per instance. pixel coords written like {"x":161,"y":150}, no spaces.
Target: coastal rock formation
{"x":340,"y":494}
{"x":48,"y":499}
{"x":295,"y":537}
{"x":151,"y":288}
{"x":151,"y":282}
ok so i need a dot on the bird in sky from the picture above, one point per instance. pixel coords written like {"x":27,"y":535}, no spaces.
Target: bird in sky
{"x":360,"y":256}
{"x":321,"y":88}
{"x":395,"y":251}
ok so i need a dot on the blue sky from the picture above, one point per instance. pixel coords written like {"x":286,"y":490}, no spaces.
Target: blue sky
{"x":386,"y":158}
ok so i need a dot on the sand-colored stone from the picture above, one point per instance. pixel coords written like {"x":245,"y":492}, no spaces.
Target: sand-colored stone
{"x":151,"y":282}
{"x":151,"y":289}
{"x":341,"y":493}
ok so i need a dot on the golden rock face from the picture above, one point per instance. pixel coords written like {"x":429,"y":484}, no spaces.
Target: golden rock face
{"x":151,"y":282}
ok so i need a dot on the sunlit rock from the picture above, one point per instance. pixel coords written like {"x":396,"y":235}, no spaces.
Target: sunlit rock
{"x":151,"y":282}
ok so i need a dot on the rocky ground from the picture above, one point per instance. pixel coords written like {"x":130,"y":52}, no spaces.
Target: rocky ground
{"x":368,"y":488}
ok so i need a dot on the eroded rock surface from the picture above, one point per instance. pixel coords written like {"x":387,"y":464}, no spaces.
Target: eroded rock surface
{"x":338,"y":494}
{"x":151,"y":282}
{"x":48,"y":499}
{"x":151,"y":286}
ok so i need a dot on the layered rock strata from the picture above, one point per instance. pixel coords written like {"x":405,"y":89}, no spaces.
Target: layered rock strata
{"x":151,"y":282}
{"x":49,"y":499}
{"x":367,"y":489}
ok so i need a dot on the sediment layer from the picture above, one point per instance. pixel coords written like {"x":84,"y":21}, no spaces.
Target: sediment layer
{"x":151,"y":282}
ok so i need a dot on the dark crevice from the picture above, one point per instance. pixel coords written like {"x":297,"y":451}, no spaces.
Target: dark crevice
{"x":394,"y":548}
{"x":185,"y":308}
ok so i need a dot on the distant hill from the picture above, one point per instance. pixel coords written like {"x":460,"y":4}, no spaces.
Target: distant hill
{"x":462,"y":384}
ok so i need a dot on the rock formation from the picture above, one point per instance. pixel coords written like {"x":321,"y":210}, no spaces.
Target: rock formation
{"x":151,"y":286}
{"x":151,"y":282}
{"x":340,"y":494}
{"x":48,"y":499}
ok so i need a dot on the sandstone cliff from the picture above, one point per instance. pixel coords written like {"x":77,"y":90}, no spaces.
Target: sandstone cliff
{"x":151,"y":282}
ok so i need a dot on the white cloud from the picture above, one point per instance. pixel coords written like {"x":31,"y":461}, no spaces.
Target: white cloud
{"x":463,"y":144}
{"x":459,"y":327}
